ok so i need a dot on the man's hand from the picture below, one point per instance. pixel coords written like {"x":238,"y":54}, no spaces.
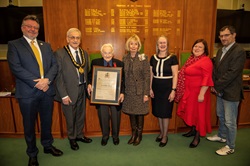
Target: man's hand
{"x":42,"y":84}
{"x":89,"y":89}
{"x":45,"y":88}
{"x":213,"y":90}
{"x":66,"y":101}
{"x":121,"y":97}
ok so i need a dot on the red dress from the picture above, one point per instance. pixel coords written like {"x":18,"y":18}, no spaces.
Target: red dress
{"x":196,"y":113}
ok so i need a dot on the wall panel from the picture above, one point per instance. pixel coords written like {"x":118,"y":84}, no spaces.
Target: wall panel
{"x":199,"y":22}
{"x":59,"y":16}
{"x":115,"y":21}
{"x":7,"y":80}
{"x":100,"y":22}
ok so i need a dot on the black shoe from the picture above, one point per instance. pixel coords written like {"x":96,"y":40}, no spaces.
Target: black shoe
{"x":192,"y":145}
{"x":162,"y":144}
{"x":116,"y":141}
{"x":189,"y":134}
{"x":104,"y":142}
{"x":158,"y":139}
{"x":73,"y":144}
{"x":84,"y":139}
{"x":54,"y":151}
{"x":33,"y":161}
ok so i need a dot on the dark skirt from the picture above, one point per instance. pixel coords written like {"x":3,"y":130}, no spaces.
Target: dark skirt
{"x":161,"y":107}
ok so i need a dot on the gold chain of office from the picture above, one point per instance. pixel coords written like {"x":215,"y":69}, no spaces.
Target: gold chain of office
{"x":77,"y":65}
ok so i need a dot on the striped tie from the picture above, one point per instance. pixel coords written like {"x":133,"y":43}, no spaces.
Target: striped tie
{"x":38,"y":58}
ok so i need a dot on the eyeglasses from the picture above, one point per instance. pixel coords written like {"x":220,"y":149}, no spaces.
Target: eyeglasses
{"x":74,"y":37}
{"x":30,"y":26}
{"x":226,"y":35}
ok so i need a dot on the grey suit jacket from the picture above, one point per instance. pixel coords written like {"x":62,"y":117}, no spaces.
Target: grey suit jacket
{"x":67,"y":80}
{"x":227,"y":73}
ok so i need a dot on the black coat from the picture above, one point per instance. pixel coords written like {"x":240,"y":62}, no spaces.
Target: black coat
{"x":100,"y":62}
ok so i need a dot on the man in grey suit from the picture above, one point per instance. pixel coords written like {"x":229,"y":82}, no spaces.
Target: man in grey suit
{"x":227,"y":77}
{"x":73,"y":66}
{"x":33,"y":64}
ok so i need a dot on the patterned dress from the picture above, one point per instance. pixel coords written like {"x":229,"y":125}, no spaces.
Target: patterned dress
{"x":137,"y":82}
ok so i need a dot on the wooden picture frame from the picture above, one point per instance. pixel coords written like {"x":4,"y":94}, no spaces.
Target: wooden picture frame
{"x":106,"y":85}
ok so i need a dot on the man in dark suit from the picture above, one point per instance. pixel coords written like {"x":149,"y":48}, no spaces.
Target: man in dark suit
{"x":33,"y":64}
{"x":71,"y":83}
{"x":227,"y":77}
{"x":107,"y":111}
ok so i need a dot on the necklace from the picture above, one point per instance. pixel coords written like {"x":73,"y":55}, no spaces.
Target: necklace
{"x":77,"y":65}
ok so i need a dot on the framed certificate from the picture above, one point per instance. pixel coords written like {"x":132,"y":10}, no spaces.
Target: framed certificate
{"x":106,"y":85}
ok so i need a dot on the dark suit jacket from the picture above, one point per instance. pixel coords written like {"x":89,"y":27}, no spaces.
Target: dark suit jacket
{"x":100,"y":62}
{"x":227,"y":73}
{"x":24,"y":66}
{"x":67,"y":81}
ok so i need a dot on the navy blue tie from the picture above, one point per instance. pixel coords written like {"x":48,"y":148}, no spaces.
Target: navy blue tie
{"x":79,"y":62}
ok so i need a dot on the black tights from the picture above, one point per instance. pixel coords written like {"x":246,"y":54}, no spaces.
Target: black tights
{"x":196,"y":139}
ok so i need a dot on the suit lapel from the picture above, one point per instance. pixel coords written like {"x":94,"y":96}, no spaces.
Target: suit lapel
{"x":101,"y":62}
{"x":225,"y":56}
{"x":42,"y":49}
{"x":26,"y":44}
{"x":71,"y":63}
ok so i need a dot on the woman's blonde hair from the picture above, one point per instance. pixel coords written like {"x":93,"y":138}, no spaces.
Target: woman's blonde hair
{"x":136,"y":39}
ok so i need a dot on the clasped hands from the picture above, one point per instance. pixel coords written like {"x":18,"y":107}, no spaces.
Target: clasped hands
{"x":42,"y":84}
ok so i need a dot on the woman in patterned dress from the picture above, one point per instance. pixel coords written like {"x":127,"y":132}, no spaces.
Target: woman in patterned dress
{"x":137,"y":81}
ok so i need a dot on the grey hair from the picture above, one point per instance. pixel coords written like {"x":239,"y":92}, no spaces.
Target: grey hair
{"x":73,"y":30}
{"x":107,"y":45}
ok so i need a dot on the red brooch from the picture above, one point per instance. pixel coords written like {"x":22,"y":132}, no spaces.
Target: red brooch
{"x":114,"y":64}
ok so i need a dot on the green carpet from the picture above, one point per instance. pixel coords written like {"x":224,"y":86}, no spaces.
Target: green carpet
{"x":148,"y":153}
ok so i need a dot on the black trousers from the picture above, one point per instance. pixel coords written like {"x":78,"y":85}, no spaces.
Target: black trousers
{"x":105,"y":113}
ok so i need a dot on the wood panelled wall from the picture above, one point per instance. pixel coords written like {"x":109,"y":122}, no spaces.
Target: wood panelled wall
{"x":59,"y":16}
{"x":189,"y":20}
{"x":197,"y":20}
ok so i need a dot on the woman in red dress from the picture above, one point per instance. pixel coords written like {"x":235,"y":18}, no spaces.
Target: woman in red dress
{"x":193,"y":95}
